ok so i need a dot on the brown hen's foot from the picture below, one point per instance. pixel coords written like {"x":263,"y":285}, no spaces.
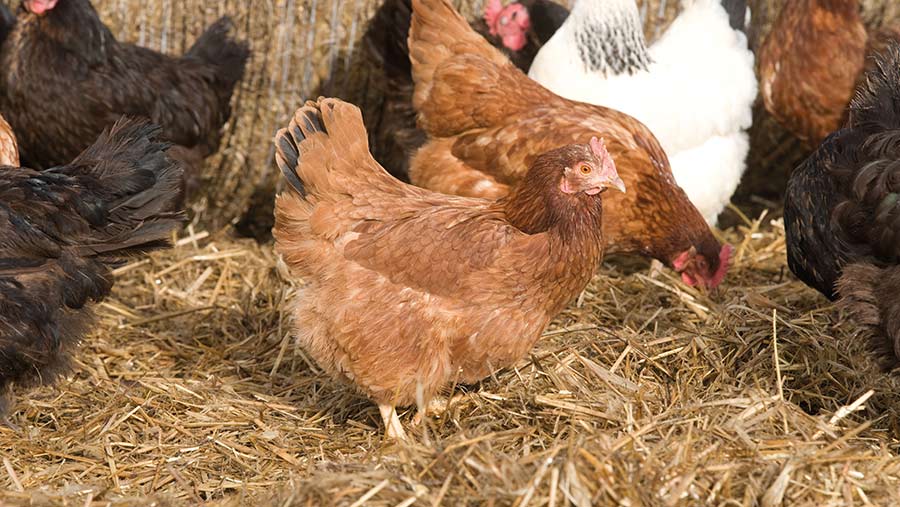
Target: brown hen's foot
{"x":392,"y":426}
{"x":436,"y":407}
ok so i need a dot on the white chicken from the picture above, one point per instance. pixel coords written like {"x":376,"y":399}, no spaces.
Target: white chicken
{"x":694,"y":88}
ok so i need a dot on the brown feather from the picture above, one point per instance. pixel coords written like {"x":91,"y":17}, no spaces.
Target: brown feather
{"x":488,"y":123}
{"x":406,"y":288}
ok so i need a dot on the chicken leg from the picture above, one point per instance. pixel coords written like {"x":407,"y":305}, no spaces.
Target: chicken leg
{"x":392,"y":426}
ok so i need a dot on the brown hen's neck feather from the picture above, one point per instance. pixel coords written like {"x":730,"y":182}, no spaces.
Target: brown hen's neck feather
{"x":538,"y":205}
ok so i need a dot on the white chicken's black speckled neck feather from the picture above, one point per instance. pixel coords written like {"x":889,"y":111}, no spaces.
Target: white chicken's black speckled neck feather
{"x":609,"y":37}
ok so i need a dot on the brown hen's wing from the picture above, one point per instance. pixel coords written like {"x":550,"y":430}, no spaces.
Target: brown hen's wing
{"x":414,"y":237}
{"x":9,"y":151}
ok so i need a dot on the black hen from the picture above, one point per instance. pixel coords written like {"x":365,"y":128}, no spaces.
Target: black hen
{"x":842,"y":209}
{"x":395,"y":137}
{"x":61,"y":232}
{"x":7,"y":22}
{"x":64,"y":79}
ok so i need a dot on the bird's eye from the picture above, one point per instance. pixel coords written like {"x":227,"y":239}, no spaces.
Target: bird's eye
{"x":585,"y":169}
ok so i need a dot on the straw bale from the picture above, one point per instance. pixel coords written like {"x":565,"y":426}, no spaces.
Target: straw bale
{"x":643,"y":392}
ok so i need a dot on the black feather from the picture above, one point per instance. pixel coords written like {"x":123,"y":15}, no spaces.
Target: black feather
{"x":61,"y":232}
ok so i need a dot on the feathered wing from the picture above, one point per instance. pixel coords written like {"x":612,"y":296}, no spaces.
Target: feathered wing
{"x":869,"y":216}
{"x":343,"y":202}
{"x":867,"y":220}
{"x":61,"y":231}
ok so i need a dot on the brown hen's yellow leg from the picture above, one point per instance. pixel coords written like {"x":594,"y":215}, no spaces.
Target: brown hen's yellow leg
{"x":392,"y":426}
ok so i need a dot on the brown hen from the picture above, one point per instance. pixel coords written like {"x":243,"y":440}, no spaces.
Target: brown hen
{"x":407,"y":290}
{"x":488,"y":122}
{"x":811,"y":61}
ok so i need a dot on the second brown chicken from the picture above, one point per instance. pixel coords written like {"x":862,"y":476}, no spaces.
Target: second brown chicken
{"x":407,"y":290}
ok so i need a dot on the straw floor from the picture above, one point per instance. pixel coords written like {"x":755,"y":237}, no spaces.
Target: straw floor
{"x":191,"y":390}
{"x":643,"y":392}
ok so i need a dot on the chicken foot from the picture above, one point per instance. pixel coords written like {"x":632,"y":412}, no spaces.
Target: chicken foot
{"x":392,"y":426}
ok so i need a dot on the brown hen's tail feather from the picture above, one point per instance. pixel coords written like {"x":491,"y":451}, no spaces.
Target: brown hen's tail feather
{"x":462,"y":81}
{"x":325,"y":149}
{"x":132,"y":180}
{"x":870,"y":294}
{"x":437,"y":33}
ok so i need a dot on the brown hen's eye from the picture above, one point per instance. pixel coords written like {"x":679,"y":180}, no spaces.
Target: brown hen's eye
{"x":585,"y":169}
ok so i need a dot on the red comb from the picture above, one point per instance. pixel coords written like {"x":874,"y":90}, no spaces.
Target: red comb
{"x":492,"y":12}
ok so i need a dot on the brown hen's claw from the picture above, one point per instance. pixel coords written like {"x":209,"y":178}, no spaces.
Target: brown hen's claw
{"x":392,"y":425}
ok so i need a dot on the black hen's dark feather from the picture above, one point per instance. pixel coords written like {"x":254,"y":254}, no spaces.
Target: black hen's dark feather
{"x":61,"y":232}
{"x":64,"y":79}
{"x":842,"y":209}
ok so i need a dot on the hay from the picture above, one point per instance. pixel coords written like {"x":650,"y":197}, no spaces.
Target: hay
{"x":642,"y":393}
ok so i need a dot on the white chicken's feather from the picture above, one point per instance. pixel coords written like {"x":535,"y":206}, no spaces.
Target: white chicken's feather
{"x":695,"y":95}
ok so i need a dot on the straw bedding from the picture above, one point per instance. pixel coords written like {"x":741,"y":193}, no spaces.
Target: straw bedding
{"x":642,"y":393}
{"x":191,"y":390}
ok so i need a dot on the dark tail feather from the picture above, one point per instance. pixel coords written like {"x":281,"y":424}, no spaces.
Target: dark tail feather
{"x":386,"y":36}
{"x":287,"y":152}
{"x":737,"y":13}
{"x":287,"y":156}
{"x":877,"y":100}
{"x":869,"y":294}
{"x":7,"y":22}
{"x":127,"y":168}
{"x":227,"y":55}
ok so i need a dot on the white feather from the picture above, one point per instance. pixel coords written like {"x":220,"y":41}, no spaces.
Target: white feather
{"x":696,"y":96}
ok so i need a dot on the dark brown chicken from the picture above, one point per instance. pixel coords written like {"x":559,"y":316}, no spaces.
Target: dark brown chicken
{"x":7,"y":22}
{"x":61,"y":232}
{"x":405,"y":290}
{"x":488,"y":123}
{"x":842,"y":209}
{"x":811,"y":61}
{"x":395,"y":137}
{"x":64,"y":78}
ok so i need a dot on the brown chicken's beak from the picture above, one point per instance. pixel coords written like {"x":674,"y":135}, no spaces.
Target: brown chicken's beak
{"x":617,"y":184}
